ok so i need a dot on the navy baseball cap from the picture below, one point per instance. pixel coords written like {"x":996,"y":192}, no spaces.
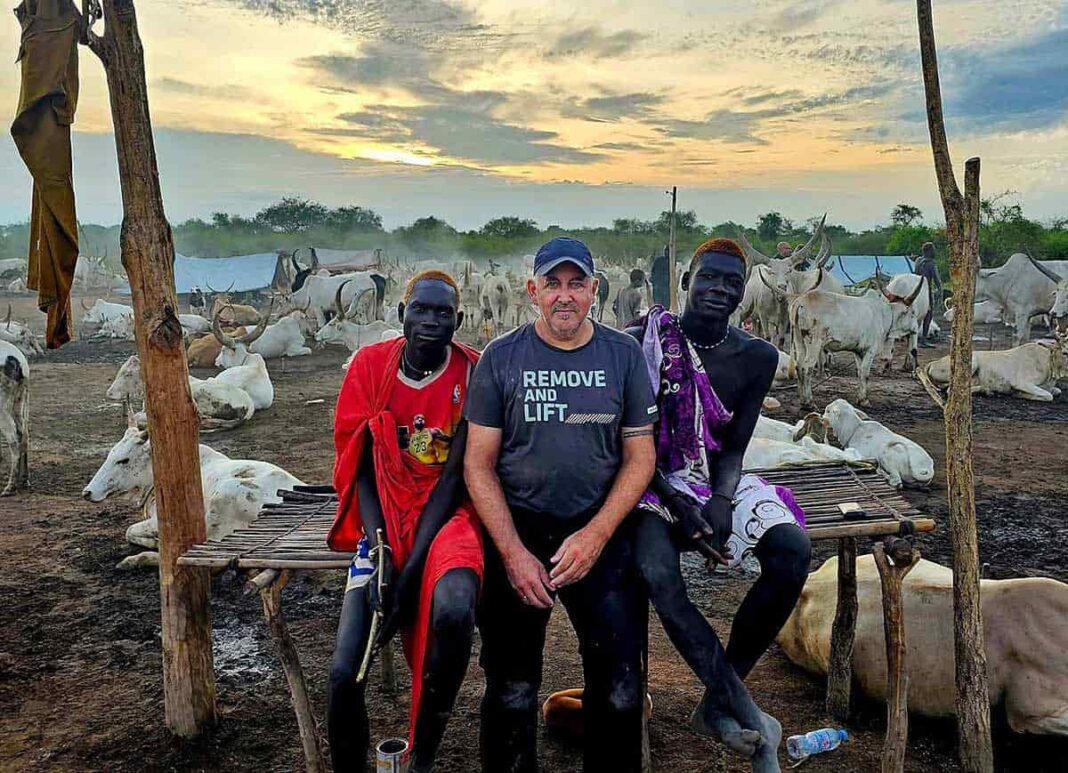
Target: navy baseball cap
{"x":563,"y":249}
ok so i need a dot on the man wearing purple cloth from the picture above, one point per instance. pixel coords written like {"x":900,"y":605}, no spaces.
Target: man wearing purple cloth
{"x":711,"y":380}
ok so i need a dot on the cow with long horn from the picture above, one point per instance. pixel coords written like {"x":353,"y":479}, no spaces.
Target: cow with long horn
{"x":823,"y":321}
{"x":243,"y":368}
{"x":1058,"y":312}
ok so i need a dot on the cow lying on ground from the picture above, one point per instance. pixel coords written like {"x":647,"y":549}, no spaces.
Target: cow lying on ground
{"x":1026,"y":629}
{"x":220,"y":405}
{"x":14,"y":412}
{"x":1030,"y":371}
{"x":234,"y":489}
{"x":901,"y":460}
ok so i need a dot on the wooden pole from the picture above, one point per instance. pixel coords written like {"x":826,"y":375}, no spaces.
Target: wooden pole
{"x":673,"y":299}
{"x":843,"y":633}
{"x":962,"y":232}
{"x":891,"y":575}
{"x":148,"y":257}
{"x":298,"y":687}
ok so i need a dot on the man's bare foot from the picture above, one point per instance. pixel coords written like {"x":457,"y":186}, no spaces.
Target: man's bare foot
{"x":709,"y":721}
{"x":766,"y":759}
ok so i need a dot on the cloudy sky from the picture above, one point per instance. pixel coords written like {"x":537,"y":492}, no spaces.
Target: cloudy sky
{"x":574,"y":113}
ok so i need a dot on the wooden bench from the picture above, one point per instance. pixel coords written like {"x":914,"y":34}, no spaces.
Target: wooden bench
{"x":291,"y":536}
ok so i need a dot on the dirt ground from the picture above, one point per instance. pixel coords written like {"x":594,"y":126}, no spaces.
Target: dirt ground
{"x":80,"y":663}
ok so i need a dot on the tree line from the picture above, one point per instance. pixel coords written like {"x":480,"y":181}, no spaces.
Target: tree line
{"x":297,"y":222}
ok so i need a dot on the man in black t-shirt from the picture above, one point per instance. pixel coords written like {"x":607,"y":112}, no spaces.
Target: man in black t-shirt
{"x":559,"y":450}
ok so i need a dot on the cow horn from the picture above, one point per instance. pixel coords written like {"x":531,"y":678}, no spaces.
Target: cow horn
{"x":879,"y":282}
{"x":248,"y":338}
{"x":211,"y":289}
{"x":1052,"y":276}
{"x":293,"y":260}
{"x":825,"y":250}
{"x":131,"y":421}
{"x":819,"y":278}
{"x":84,"y":307}
{"x":805,"y":252}
{"x":753,"y":256}
{"x":337,"y":301}
{"x":915,"y":293}
{"x":775,"y":290}
{"x":7,"y":320}
{"x":217,"y":331}
{"x":947,"y":303}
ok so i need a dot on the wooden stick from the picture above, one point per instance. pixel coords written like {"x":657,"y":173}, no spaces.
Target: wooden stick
{"x":388,"y":666}
{"x":962,"y":233}
{"x":148,"y":257}
{"x":843,"y":633}
{"x":298,"y":687}
{"x":897,"y":679}
{"x":260,"y":581}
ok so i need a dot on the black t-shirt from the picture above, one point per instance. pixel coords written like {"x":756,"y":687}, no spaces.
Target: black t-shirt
{"x":561,"y":413}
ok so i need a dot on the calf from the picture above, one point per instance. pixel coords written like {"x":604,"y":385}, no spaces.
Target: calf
{"x":234,"y":489}
{"x":14,"y":415}
{"x":901,"y":461}
{"x":1025,"y":625}
{"x":20,"y":335}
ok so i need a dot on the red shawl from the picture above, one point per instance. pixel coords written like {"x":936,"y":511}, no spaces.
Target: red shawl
{"x":404,"y":485}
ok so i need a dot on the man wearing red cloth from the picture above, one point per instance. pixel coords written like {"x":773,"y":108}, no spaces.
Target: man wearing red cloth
{"x":399,"y":439}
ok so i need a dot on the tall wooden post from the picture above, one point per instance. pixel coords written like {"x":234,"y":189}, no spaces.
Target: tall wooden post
{"x":148,"y":257}
{"x":962,"y":232}
{"x":673,"y":297}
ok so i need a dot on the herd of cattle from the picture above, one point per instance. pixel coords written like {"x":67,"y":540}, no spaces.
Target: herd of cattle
{"x":804,"y":310}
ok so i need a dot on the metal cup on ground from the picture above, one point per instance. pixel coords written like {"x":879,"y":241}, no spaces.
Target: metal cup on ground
{"x":390,"y":756}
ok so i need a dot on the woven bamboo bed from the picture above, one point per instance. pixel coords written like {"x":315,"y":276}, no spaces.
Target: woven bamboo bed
{"x":291,"y":536}
{"x":292,"y":533}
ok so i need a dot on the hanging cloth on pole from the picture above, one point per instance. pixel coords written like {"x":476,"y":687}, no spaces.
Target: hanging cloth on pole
{"x":41,"y":130}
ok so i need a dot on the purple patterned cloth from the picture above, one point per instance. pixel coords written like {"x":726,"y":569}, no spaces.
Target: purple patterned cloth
{"x":692,"y":418}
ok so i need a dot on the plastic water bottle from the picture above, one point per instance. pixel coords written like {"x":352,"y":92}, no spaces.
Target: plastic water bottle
{"x":800,"y":747}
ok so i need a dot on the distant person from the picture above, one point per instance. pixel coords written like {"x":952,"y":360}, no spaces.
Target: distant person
{"x":928,"y":269}
{"x":804,"y":264}
{"x":628,"y":303}
{"x":784,"y":249}
{"x":660,"y":277}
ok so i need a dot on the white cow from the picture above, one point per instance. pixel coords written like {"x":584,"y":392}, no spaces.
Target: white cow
{"x":342,"y":330}
{"x":1025,"y":626}
{"x":496,"y":299}
{"x":786,"y":369}
{"x":1030,"y":371}
{"x":121,"y":328}
{"x":102,"y":311}
{"x":901,"y":460}
{"x":284,"y":338}
{"x":193,"y":324}
{"x":823,"y":321}
{"x":234,"y":489}
{"x":984,"y":313}
{"x":1022,"y":288}
{"x":219,"y":404}
{"x":902,"y":286}
{"x":243,"y":368}
{"x":20,"y":335}
{"x":762,"y":452}
{"x":363,"y":295}
{"x":14,"y":415}
{"x":1058,"y":312}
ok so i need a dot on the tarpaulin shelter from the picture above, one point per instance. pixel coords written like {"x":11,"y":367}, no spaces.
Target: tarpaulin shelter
{"x":337,"y":261}
{"x":238,"y":274}
{"x":861,"y":267}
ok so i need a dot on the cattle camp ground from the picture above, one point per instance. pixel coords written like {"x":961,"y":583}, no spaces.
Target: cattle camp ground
{"x":80,"y":658}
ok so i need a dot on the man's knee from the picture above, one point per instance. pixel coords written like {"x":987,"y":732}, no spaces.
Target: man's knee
{"x":786,"y":551}
{"x":455,"y":597}
{"x":511,"y":696}
{"x":342,"y":674}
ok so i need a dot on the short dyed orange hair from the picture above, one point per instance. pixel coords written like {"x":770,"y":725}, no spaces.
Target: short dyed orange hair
{"x":430,"y":274}
{"x":718,"y":244}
